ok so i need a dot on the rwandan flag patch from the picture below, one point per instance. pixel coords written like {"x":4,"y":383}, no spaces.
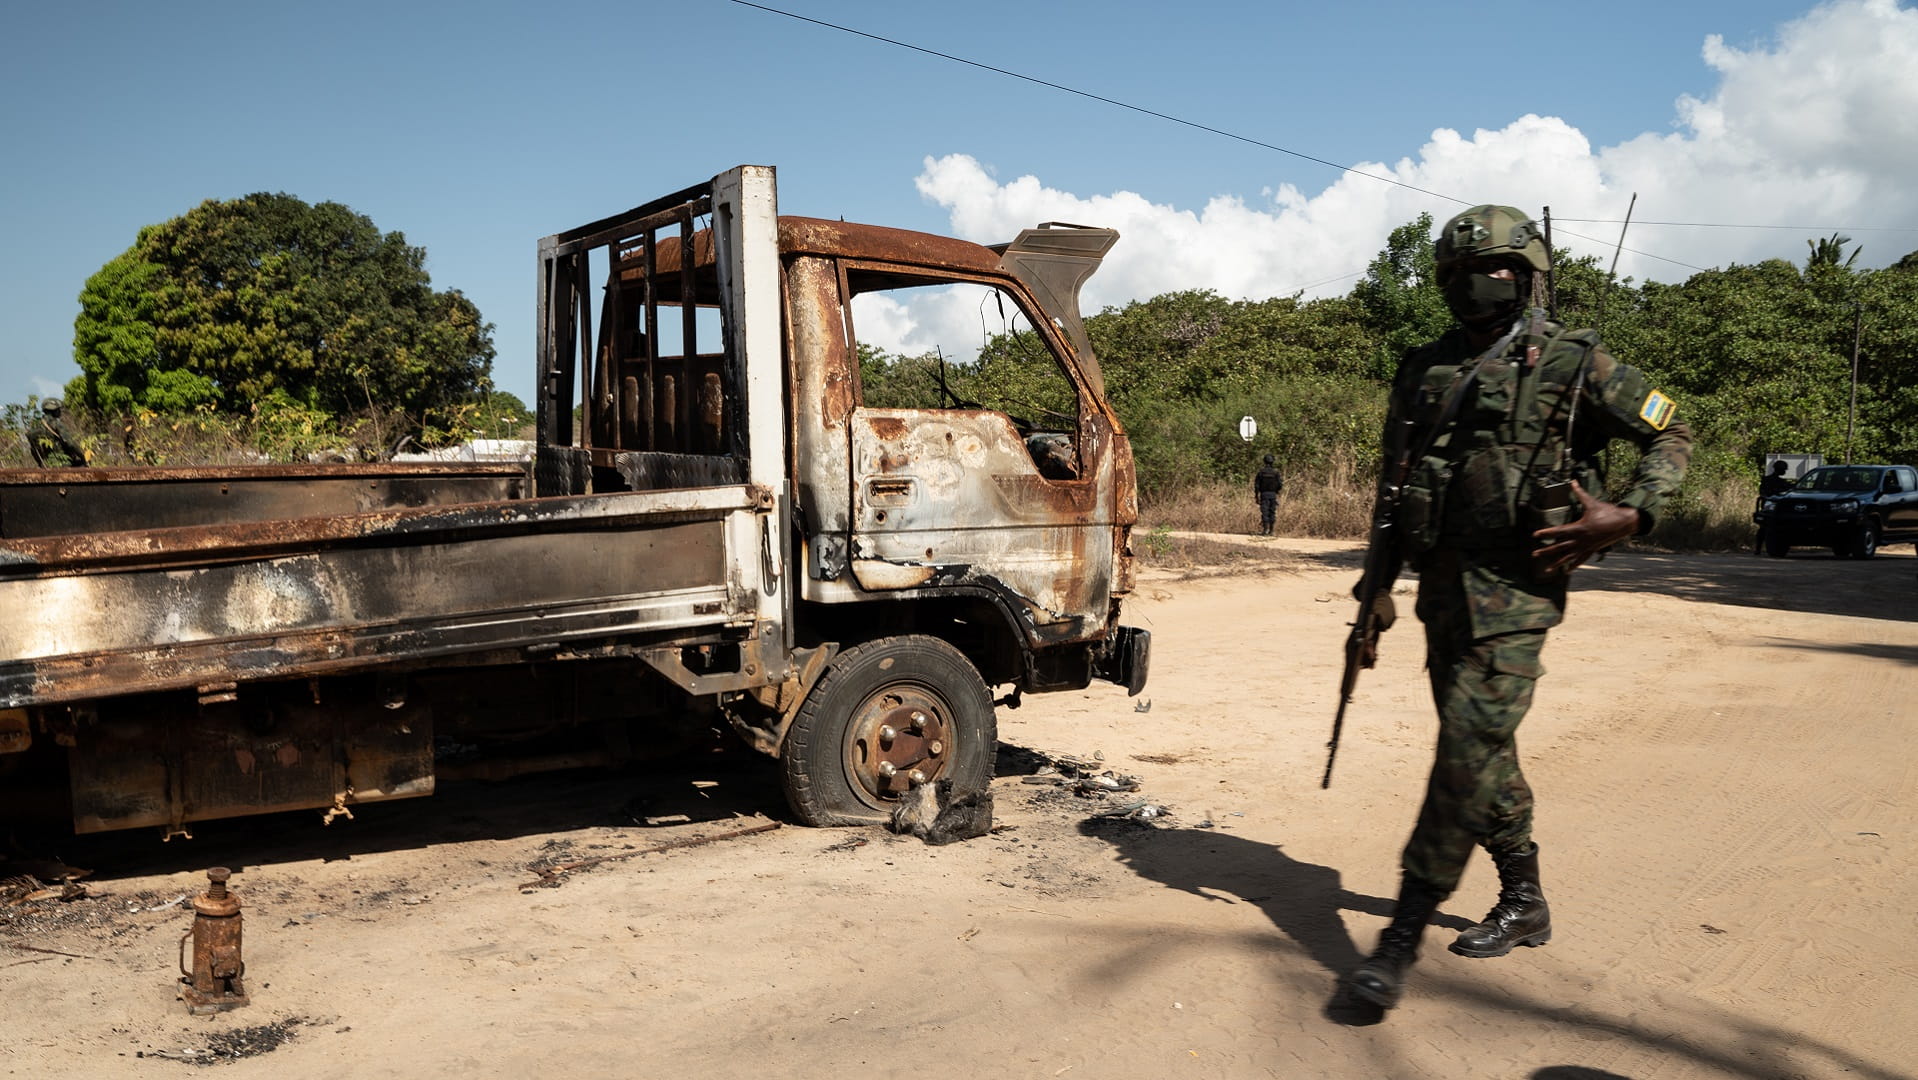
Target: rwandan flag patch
{"x":1657,"y":410}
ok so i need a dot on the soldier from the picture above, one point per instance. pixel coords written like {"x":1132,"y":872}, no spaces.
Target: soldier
{"x":1509,"y":413}
{"x":48,"y":440}
{"x":1267,"y":484}
{"x":1775,"y":484}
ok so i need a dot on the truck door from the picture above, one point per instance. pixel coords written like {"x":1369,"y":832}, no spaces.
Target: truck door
{"x":1900,"y":500}
{"x":979,"y":456}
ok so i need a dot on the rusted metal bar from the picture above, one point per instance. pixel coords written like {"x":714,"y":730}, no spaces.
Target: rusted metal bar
{"x":649,"y":298}
{"x":697,"y":200}
{"x":688,"y":294}
{"x":582,"y":291}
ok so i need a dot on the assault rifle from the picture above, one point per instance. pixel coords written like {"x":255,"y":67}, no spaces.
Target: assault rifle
{"x":1383,"y":555}
{"x":1382,"y":560}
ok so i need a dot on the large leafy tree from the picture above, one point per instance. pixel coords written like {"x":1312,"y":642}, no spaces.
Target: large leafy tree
{"x":1399,"y":296}
{"x":267,"y":298}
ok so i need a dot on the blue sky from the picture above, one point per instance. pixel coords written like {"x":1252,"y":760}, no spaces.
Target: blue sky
{"x":476,"y":128}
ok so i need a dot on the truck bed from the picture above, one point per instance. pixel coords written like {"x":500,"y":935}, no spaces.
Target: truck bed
{"x":128,"y":581}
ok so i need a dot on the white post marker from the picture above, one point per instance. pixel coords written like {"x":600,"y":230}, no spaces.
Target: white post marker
{"x":1248,"y":428}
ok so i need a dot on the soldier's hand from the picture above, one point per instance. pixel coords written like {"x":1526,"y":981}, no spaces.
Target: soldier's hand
{"x":1363,"y":648}
{"x":1599,"y":525}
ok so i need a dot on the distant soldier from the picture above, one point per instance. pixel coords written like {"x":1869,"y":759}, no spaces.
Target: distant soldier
{"x":1267,"y":484}
{"x":1775,"y":484}
{"x":52,"y":446}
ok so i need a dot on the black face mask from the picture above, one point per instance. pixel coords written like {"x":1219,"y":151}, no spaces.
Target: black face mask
{"x":1477,"y":299}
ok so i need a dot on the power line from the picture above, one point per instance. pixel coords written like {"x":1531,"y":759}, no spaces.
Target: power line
{"x":1327,"y":281}
{"x":1097,"y":97}
{"x":1634,"y":251}
{"x":1734,"y":225}
{"x":1195,"y":125}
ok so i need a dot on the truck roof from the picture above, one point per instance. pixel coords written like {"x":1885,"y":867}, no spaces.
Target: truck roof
{"x":819,"y":236}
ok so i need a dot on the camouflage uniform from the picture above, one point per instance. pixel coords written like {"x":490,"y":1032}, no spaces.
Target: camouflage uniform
{"x":48,"y":440}
{"x":1485,"y":610}
{"x":1487,"y":428}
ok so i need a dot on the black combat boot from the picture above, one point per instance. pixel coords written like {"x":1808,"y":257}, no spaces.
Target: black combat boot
{"x":1381,"y":977}
{"x":1519,"y":918}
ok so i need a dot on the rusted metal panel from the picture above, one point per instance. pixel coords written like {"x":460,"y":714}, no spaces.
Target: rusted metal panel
{"x":745,"y":228}
{"x":320,"y":611}
{"x":1053,"y":261}
{"x":162,"y":547}
{"x":949,"y":497}
{"x":16,"y":731}
{"x":109,"y":500}
{"x":170,"y":768}
{"x":823,"y":398}
{"x":131,"y":612}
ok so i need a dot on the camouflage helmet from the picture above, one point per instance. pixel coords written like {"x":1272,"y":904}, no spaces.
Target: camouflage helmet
{"x":1491,"y":231}
{"x":50,"y":406}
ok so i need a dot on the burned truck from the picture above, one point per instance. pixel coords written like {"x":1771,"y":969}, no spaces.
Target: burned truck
{"x":718,"y":530}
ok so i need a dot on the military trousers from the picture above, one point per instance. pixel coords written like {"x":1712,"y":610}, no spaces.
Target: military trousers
{"x":1477,"y":794}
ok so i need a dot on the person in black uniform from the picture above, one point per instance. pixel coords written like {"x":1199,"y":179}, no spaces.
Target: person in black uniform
{"x":1266,"y":484}
{"x":1775,"y":484}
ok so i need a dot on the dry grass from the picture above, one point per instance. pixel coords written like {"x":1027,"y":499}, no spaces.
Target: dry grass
{"x":1335,"y":506}
{"x":1201,"y":556}
{"x":1718,"y":518}
{"x":1338,"y":506}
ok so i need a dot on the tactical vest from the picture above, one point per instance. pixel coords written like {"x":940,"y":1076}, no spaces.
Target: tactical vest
{"x":1476,"y":486}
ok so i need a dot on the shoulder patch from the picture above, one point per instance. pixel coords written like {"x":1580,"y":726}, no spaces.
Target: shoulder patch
{"x":1657,"y":410}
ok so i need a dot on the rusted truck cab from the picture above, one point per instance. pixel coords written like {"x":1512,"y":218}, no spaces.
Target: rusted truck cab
{"x":1028,"y":514}
{"x":723,"y":525}
{"x":935,"y":548}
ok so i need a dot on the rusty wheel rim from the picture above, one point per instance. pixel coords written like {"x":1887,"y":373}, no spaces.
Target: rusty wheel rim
{"x":895,"y":733}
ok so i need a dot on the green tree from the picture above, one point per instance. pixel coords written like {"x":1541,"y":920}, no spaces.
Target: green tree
{"x":500,"y":415}
{"x":1830,"y":251}
{"x":268,"y":298}
{"x":1399,"y":296}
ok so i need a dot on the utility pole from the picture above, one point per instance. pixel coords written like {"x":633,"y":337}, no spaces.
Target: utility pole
{"x":1857,"y":333}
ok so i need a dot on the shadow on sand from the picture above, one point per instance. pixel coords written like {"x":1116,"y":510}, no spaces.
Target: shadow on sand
{"x":711,"y":786}
{"x":1304,"y":901}
{"x":1881,"y":588}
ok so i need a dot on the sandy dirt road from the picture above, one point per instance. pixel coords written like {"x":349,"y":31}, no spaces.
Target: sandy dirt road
{"x":1723,"y":753}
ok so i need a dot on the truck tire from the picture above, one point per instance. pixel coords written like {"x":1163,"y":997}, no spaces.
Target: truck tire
{"x":840,"y":766}
{"x":1777,"y":546}
{"x":1864,"y":543}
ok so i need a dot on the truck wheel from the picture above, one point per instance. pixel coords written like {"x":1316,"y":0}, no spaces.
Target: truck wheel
{"x":1777,"y":546}
{"x":884,"y":711}
{"x":1864,"y":544}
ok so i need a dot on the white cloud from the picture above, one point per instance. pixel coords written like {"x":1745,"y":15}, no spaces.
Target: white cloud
{"x":1820,"y":128}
